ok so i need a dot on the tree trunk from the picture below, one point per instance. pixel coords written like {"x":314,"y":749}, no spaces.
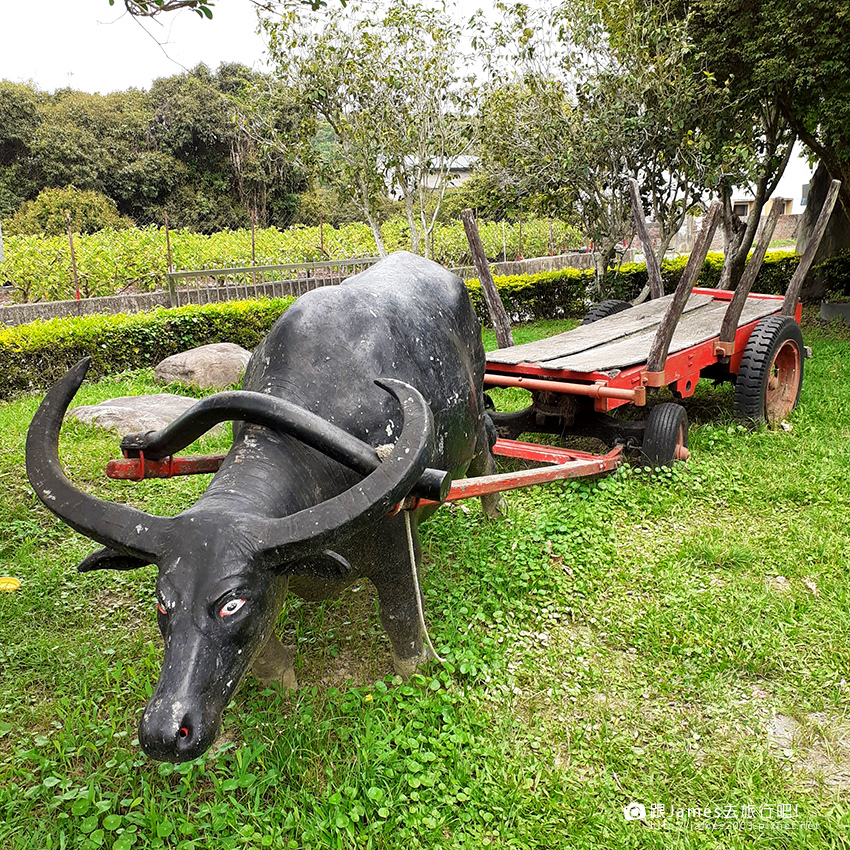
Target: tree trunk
{"x":410,"y":215}
{"x":374,"y":224}
{"x":602,"y":259}
{"x":736,"y":258}
{"x":733,"y":234}
{"x":835,"y":239}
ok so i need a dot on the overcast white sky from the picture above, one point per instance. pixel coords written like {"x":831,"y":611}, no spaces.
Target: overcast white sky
{"x":95,"y":47}
{"x":92,"y":46}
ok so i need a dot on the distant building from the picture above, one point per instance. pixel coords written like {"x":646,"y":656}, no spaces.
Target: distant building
{"x":792,"y":191}
{"x":459,"y":172}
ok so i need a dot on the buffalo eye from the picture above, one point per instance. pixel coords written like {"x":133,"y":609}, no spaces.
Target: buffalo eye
{"x":230,"y":608}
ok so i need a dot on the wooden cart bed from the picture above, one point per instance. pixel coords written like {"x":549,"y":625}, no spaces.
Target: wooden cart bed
{"x":616,"y":342}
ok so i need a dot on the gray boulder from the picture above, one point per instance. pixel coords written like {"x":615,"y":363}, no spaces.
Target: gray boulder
{"x":135,"y":413}
{"x":218,"y":365}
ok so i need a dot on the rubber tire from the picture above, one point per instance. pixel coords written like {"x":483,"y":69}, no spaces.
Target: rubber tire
{"x":751,"y":383}
{"x":661,"y":436}
{"x":604,"y":309}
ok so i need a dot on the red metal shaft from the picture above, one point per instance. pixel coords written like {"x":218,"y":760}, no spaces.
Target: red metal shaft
{"x":591,"y":390}
{"x":466,"y":488}
{"x":135,"y":469}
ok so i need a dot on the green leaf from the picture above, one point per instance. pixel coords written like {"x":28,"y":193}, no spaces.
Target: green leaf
{"x":89,"y":823}
{"x":80,"y":807}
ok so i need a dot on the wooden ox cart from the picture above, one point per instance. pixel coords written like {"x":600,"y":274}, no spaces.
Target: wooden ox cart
{"x":620,"y":355}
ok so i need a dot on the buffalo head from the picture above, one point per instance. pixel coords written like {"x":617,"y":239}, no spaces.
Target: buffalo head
{"x":223,"y":568}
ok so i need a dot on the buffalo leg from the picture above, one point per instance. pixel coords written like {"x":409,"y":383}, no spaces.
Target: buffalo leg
{"x":483,"y":463}
{"x":275,"y":663}
{"x":397,"y":594}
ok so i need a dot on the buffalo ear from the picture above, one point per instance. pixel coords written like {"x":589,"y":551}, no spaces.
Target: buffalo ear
{"x":325,"y":565}
{"x":109,"y":559}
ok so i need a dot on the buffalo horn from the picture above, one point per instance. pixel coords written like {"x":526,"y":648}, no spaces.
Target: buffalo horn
{"x":281,"y":541}
{"x":121,"y":528}
{"x":282,"y":416}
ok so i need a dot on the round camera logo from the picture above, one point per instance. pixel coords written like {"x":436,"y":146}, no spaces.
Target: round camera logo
{"x":635,"y":811}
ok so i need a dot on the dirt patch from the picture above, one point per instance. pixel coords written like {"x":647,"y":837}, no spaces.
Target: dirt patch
{"x":818,"y":746}
{"x":778,"y":584}
{"x":346,"y":642}
{"x":133,"y":615}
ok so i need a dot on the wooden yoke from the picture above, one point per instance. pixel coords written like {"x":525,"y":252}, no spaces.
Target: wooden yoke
{"x":792,"y":294}
{"x":656,"y":284}
{"x":661,"y":344}
{"x":729,"y":326}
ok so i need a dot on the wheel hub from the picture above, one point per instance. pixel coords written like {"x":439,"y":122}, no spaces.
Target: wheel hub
{"x":782,"y":382}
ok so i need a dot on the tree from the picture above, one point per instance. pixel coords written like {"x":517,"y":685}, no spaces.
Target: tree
{"x":151,"y":8}
{"x":794,"y":56}
{"x":188,"y":147}
{"x":754,"y":137}
{"x":386,"y":82}
{"x":541,"y":142}
{"x":203,"y":8}
{"x":19,"y":121}
{"x":605,"y":94}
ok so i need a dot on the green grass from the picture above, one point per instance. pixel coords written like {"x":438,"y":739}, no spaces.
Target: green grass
{"x":614,"y":641}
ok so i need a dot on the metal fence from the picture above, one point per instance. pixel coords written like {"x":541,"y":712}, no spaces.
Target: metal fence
{"x":204,"y":286}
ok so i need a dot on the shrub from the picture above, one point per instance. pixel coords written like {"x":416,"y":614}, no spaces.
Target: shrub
{"x":35,"y":355}
{"x":551,"y":295}
{"x":836,"y":276}
{"x":773,"y":277}
{"x":527,"y":298}
{"x":47,"y":214}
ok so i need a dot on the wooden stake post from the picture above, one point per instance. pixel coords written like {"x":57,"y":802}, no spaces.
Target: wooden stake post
{"x":498,"y":316}
{"x":661,"y":344}
{"x":656,"y":284}
{"x":73,"y":256}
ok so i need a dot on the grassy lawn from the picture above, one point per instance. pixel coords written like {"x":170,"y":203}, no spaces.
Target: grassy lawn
{"x":680,"y":639}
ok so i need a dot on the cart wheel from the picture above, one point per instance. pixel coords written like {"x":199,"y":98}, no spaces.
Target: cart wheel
{"x":604,"y":309}
{"x":771,"y":371}
{"x":665,"y":439}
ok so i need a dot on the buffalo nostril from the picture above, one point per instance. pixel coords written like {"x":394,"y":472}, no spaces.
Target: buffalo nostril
{"x":184,"y":734}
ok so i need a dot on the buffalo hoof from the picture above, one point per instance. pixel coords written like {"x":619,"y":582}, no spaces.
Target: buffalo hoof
{"x":275,"y":664}
{"x":406,"y":667}
{"x":494,"y":506}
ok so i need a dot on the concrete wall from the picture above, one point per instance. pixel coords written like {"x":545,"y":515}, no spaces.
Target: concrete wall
{"x":19,"y":314}
{"x":683,"y":241}
{"x":786,"y":228}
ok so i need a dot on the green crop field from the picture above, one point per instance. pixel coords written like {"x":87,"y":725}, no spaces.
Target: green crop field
{"x":676,"y":639}
{"x":39,"y":267}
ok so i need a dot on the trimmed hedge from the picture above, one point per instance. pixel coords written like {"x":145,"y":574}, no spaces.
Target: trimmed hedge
{"x":527,"y":298}
{"x":33,"y":356}
{"x":564,"y":293}
{"x":836,"y":276}
{"x":772,"y":279}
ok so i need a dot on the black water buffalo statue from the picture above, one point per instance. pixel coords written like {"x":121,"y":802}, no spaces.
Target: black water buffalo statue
{"x":393,"y":358}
